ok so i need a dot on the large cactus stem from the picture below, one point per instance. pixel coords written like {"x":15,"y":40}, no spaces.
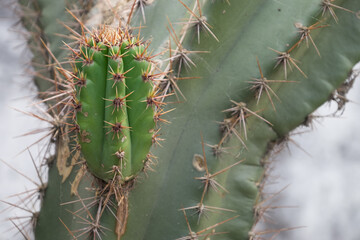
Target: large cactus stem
{"x":260,"y":67}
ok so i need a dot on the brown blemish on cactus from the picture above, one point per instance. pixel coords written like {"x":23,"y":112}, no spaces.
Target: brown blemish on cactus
{"x":75,"y":184}
{"x":63,"y":154}
{"x":122,"y":215}
{"x":198,"y":162}
{"x":84,"y":135}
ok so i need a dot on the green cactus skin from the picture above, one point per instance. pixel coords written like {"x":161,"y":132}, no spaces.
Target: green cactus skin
{"x":116,"y":97}
{"x":246,"y":30}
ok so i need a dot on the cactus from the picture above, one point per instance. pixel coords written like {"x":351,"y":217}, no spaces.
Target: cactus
{"x":114,"y":87}
{"x":256,"y":77}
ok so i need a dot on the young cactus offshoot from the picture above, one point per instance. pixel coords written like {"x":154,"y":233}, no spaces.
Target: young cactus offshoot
{"x":115,"y":102}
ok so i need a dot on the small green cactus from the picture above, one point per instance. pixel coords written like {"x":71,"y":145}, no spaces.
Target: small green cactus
{"x":115,"y":103}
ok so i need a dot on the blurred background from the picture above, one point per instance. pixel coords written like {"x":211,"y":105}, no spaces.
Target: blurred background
{"x":316,"y":177}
